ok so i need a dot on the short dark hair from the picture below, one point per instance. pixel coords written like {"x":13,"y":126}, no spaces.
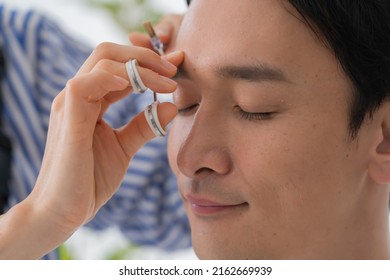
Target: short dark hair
{"x":358,"y":32}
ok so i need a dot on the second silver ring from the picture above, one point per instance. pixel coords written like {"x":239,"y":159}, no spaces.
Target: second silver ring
{"x":152,"y":119}
{"x":134,"y":77}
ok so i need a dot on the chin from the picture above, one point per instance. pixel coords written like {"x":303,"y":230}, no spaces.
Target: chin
{"x":219,"y":250}
{"x":221,"y":255}
{"x":206,"y":249}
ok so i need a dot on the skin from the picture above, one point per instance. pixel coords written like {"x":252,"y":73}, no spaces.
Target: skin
{"x":288,"y":184}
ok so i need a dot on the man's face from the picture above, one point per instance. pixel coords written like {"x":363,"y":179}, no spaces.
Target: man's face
{"x":261,"y":146}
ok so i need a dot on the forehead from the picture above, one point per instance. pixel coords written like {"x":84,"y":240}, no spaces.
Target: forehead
{"x":238,"y":32}
{"x":237,"y":25}
{"x":238,"y":18}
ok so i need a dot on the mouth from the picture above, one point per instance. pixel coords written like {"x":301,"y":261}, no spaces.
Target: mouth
{"x":206,"y":207}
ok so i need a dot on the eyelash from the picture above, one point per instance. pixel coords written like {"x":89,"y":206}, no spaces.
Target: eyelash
{"x":185,"y":110}
{"x":254,"y":116}
{"x":244,"y":115}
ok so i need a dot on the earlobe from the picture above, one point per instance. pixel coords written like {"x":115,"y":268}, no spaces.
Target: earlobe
{"x":379,"y":166}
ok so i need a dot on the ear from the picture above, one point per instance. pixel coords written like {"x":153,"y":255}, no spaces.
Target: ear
{"x":379,"y":165}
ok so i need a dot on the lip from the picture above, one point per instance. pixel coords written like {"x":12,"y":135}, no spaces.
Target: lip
{"x":206,"y":207}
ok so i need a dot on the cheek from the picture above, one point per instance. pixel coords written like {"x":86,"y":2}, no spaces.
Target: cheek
{"x":172,"y":149}
{"x":177,"y":135}
{"x":288,"y":168}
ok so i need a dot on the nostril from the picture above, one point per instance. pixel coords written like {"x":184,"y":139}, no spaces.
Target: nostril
{"x":204,"y":170}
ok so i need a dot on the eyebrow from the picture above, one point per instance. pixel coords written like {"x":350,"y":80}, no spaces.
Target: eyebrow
{"x":251,"y":73}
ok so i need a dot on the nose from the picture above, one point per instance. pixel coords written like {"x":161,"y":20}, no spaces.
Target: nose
{"x":204,"y":149}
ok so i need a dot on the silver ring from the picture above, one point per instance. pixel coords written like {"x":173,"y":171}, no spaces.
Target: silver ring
{"x":134,"y":77}
{"x":153,"y":121}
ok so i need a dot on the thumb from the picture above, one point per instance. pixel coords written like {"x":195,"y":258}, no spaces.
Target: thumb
{"x":137,"y":132}
{"x":168,"y":27}
{"x":164,"y":30}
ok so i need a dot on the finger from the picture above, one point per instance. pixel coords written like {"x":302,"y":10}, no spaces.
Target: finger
{"x":156,"y":82}
{"x":111,"y":98}
{"x":137,"y":132}
{"x":82,"y":95}
{"x":151,"y":79}
{"x":121,"y":53}
{"x":167,"y":28}
{"x":176,"y":58}
{"x":165,"y":31}
{"x":140,"y":40}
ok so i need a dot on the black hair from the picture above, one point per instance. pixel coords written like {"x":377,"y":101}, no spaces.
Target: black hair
{"x":358,"y":32}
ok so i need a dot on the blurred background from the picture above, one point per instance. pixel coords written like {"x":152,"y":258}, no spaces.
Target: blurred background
{"x":92,"y":22}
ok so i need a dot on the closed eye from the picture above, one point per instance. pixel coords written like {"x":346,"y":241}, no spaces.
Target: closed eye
{"x":255,"y":116}
{"x":187,"y":110}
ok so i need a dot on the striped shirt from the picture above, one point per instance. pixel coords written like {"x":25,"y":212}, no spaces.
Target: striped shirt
{"x":40,"y":58}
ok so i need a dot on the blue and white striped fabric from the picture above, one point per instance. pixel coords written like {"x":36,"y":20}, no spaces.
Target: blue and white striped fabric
{"x":40,"y":59}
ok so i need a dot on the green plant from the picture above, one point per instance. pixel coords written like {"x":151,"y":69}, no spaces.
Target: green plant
{"x":129,"y":14}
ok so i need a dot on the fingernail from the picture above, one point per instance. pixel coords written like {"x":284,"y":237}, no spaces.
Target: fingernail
{"x":161,"y":32}
{"x":167,"y":65}
{"x":168,"y":81}
{"x":172,"y":54}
